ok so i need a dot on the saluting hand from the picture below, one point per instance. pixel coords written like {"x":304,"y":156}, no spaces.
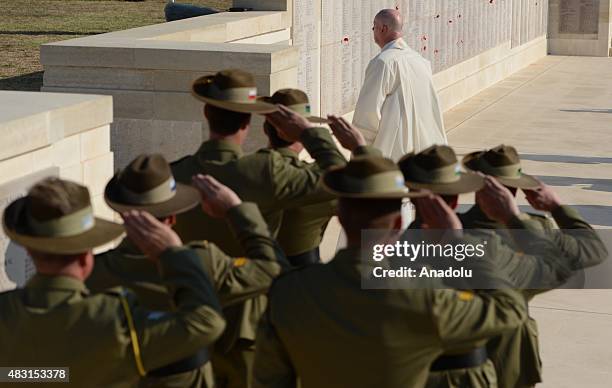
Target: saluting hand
{"x":150,"y":235}
{"x":543,"y":198}
{"x":349,"y":136}
{"x":496,"y":201}
{"x":217,"y":198}
{"x":289,"y":124}
{"x":436,"y":214}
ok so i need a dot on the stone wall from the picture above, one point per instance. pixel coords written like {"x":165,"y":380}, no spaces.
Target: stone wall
{"x":149,"y":71}
{"x":49,"y":134}
{"x":580,"y":27}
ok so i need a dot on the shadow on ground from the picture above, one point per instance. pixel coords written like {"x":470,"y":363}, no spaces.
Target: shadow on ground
{"x":593,"y":214}
{"x":26,"y":82}
{"x":565,"y":159}
{"x":592,"y":184}
{"x":586,"y":110}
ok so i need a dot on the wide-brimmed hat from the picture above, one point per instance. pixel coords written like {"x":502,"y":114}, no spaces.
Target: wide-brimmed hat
{"x":297,"y":101}
{"x":147,"y":184}
{"x":232,"y":90}
{"x":56,"y":217}
{"x":367,"y":177}
{"x":437,"y":169}
{"x":504,"y":164}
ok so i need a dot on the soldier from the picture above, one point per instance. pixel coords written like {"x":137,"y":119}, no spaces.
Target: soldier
{"x":437,"y":169}
{"x":516,"y":354}
{"x":302,"y":227}
{"x":322,"y":328}
{"x":264,"y":178}
{"x":105,"y":339}
{"x":147,"y":184}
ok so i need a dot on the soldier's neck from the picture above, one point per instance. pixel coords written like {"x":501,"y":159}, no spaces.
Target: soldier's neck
{"x":235,"y":138}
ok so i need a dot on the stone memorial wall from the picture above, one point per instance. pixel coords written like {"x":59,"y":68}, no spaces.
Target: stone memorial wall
{"x":49,"y":134}
{"x":335,"y":38}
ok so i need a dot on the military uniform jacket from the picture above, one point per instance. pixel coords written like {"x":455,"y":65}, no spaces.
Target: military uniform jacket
{"x":302,"y":227}
{"x":265,"y":178}
{"x":322,"y":327}
{"x":109,"y":340}
{"x":516,"y":354}
{"x":527,"y":262}
{"x":234,"y":279}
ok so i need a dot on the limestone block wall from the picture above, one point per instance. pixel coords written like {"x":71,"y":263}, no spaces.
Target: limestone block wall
{"x":580,"y":27}
{"x":50,"y":134}
{"x":149,"y":71}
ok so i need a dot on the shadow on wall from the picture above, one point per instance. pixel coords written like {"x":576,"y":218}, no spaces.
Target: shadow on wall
{"x":27,"y":82}
{"x":18,"y":266}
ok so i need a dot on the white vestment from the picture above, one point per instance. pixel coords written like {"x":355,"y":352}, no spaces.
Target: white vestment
{"x":398,"y":108}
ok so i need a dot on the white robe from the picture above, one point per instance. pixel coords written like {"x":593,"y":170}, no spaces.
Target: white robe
{"x":398,"y":109}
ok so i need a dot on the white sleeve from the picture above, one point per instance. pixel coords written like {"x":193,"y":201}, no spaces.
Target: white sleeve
{"x":377,"y":85}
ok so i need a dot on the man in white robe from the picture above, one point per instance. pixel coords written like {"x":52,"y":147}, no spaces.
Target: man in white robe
{"x":398,"y":109}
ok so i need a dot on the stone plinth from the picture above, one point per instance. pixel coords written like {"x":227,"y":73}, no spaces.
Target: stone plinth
{"x":149,"y":71}
{"x":51,"y":134}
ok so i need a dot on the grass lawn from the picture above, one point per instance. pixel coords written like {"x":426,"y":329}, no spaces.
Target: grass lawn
{"x":26,"y":24}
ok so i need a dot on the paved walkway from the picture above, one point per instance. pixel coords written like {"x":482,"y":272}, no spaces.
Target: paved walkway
{"x":558,"y":113}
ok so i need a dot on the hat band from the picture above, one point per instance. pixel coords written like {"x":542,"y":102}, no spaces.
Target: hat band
{"x":246,"y":95}
{"x":69,"y":225}
{"x":303,"y":109}
{"x":446,"y":174}
{"x":161,"y":193}
{"x":386,"y":182}
{"x":512,"y":171}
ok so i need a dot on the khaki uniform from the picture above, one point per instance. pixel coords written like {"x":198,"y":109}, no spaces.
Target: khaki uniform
{"x":323,"y":327}
{"x":302,"y":227}
{"x":234,"y":279}
{"x":516,"y":354}
{"x":54,"y":320}
{"x":267,"y":179}
{"x":528,"y":262}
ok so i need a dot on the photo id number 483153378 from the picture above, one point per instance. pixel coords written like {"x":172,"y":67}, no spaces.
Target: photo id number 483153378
{"x":34,"y":374}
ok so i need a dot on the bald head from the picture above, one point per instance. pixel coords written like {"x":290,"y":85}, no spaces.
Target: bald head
{"x":391,"y":18}
{"x":388,"y":25}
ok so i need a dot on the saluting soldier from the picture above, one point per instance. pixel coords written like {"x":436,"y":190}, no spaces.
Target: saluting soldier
{"x":302,"y":228}
{"x":516,"y":354}
{"x":323,"y":329}
{"x":107,"y":340}
{"x":265,"y":178}
{"x":147,"y":184}
{"x":437,"y":169}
